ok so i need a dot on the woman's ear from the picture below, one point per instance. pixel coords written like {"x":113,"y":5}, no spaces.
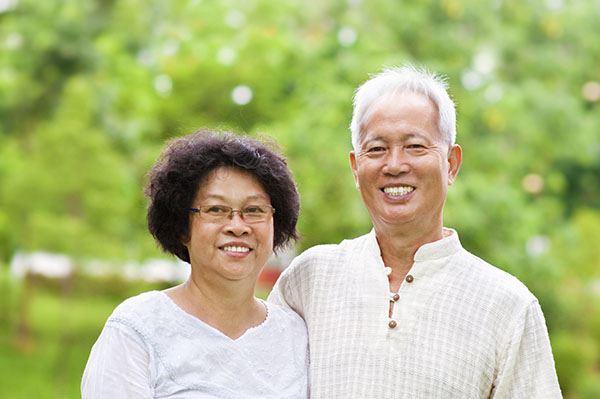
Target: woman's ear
{"x":185,"y":240}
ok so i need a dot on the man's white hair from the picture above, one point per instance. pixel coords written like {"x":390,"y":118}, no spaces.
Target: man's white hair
{"x":401,"y":79}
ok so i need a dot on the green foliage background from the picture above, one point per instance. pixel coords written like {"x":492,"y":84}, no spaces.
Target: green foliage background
{"x":90,"y":90}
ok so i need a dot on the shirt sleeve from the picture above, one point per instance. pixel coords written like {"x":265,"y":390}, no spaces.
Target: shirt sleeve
{"x":289,"y":289}
{"x":284,"y":291}
{"x":528,"y":369}
{"x":277,"y":295}
{"x":118,"y":366}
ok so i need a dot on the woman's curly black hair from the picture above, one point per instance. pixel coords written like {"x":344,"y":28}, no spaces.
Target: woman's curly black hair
{"x":175,"y":178}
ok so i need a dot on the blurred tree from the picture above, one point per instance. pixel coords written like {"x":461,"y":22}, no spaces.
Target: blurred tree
{"x":90,"y":91}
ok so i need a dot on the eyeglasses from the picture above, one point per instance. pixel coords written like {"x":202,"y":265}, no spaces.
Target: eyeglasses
{"x":249,"y":214}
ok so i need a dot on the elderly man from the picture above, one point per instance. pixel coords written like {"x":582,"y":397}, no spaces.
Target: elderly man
{"x":405,"y":311}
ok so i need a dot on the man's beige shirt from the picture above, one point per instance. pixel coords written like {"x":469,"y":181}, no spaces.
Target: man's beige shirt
{"x":463,"y":328}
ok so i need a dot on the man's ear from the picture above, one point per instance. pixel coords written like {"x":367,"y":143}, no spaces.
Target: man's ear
{"x":353,"y":166}
{"x":454,"y":162}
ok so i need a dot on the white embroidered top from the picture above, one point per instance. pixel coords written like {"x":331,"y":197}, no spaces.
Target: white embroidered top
{"x":461,"y":328}
{"x":151,"y":348}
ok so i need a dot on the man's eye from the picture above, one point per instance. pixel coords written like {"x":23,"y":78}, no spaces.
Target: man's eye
{"x":415,"y":145}
{"x":415,"y":148}
{"x":375,"y":149}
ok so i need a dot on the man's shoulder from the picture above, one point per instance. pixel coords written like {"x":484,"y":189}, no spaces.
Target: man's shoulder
{"x":495,"y":281}
{"x":332,"y":251}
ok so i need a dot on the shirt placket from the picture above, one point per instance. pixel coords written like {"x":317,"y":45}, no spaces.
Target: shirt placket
{"x":395,"y":298}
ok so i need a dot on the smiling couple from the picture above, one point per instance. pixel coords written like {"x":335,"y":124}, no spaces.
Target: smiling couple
{"x":401,"y":312}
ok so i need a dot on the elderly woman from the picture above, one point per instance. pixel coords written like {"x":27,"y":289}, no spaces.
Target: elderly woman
{"x":223,"y":203}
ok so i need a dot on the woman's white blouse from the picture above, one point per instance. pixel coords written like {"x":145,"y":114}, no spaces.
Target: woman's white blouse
{"x":151,"y":348}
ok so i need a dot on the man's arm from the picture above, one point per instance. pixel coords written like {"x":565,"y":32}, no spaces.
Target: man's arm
{"x":277,"y":296}
{"x":528,"y":368}
{"x":294,"y":284}
{"x":283,"y":293}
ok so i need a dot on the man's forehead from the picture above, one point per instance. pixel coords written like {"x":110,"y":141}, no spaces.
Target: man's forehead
{"x":395,"y":136}
{"x":406,"y":112}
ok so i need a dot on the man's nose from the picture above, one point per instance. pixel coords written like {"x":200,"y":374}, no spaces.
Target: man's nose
{"x":397,"y":161}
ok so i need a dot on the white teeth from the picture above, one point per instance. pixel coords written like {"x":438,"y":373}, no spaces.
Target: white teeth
{"x":235,"y":249}
{"x":398,"y":191}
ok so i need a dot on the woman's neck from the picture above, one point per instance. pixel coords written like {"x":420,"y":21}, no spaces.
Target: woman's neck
{"x":231,"y":309}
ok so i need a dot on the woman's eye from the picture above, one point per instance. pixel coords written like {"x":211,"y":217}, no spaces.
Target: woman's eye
{"x":254,"y":209}
{"x":217,"y":209}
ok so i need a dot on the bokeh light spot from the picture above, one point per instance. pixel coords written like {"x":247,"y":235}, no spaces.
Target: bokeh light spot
{"x":591,"y":91}
{"x":241,"y":95}
{"x":537,"y":246}
{"x":13,"y":41}
{"x":235,"y":19}
{"x":533,"y":183}
{"x":163,"y":84}
{"x":226,"y":56}
{"x":347,"y":36}
{"x":471,"y":80}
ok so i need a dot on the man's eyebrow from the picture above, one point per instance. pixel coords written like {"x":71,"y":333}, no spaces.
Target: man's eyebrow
{"x":403,"y":137}
{"x":413,"y":135}
{"x":376,"y":138}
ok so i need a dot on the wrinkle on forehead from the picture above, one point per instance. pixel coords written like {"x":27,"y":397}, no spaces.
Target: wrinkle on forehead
{"x":385,"y":111}
{"x":389,"y":97}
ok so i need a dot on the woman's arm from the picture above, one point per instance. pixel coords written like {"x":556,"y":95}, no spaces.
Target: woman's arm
{"x":118,"y":366}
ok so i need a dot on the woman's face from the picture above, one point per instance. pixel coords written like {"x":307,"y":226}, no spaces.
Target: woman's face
{"x":229,"y":248}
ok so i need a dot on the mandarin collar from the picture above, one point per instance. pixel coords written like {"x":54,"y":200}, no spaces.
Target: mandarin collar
{"x":447,"y":246}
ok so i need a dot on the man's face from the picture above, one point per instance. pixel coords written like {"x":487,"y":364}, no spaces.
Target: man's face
{"x":403,"y":166}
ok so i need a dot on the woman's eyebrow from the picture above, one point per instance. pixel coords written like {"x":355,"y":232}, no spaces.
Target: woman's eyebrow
{"x":223,"y":198}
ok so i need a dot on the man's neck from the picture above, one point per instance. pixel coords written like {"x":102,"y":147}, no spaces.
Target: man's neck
{"x":398,"y":248}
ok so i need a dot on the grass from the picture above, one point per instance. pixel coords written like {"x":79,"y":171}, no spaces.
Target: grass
{"x":47,"y":329}
{"x":63,"y":322}
{"x":50,"y":361}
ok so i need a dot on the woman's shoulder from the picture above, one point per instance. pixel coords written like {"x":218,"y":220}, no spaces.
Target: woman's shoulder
{"x":285,"y":317}
{"x":140,"y":302}
{"x":138,"y":309}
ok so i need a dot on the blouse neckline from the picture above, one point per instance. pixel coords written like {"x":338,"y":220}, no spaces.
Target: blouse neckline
{"x":196,"y":323}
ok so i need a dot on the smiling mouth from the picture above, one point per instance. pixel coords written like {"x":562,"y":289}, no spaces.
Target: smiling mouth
{"x":236,"y":249}
{"x":398,"y":191}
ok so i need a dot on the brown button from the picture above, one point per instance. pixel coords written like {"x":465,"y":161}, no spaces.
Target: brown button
{"x":392,"y":324}
{"x":395,"y":297}
{"x":409,"y":279}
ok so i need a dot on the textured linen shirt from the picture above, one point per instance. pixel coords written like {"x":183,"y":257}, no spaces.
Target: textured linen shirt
{"x":464,"y":329}
{"x":151,"y":348}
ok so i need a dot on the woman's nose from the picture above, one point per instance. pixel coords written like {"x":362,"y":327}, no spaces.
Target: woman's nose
{"x":236,"y":224}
